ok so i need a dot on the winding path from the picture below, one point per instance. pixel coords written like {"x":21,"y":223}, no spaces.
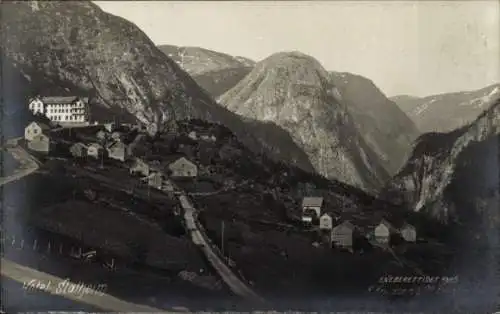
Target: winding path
{"x":232,"y":281}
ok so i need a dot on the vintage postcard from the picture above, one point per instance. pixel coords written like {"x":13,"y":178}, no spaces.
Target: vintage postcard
{"x":305,"y":156}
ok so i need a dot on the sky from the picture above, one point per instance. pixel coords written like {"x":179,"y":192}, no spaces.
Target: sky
{"x":416,"y":48}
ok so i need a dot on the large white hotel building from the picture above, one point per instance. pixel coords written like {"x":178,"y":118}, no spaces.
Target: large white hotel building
{"x":61,"y":109}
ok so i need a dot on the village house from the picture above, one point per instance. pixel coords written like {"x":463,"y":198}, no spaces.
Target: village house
{"x":207,"y":137}
{"x":325,"y":222}
{"x":312,"y":205}
{"x":117,"y":150}
{"x":307,"y":219}
{"x":61,"y":109}
{"x":382,"y":232}
{"x":182,"y":167}
{"x":101,"y":135}
{"x":40,"y":143}
{"x":139,"y":167}
{"x":110,"y":127}
{"x":168,"y":186}
{"x":95,"y":150}
{"x":35,"y":128}
{"x":155,"y":179}
{"x":408,"y":233}
{"x":78,"y":150}
{"x":192,"y":135}
{"x":116,"y":136}
{"x":342,"y":234}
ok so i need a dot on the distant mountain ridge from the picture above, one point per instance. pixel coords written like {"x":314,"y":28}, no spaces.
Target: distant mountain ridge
{"x":449,"y":111}
{"x":216,"y":72}
{"x":196,"y":60}
{"x":294,"y":91}
{"x":76,"y":47}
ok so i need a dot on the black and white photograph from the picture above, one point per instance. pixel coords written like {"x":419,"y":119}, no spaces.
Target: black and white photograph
{"x":250,"y":156}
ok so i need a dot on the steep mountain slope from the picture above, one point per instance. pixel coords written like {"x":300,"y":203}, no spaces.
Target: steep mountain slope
{"x":76,"y":47}
{"x":218,"y":82}
{"x":446,"y":112}
{"x":216,"y":72}
{"x":293,"y":90}
{"x":386,"y":129}
{"x":453,"y":176}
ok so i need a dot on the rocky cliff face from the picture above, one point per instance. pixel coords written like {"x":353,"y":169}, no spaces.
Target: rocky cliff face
{"x":216,"y":72}
{"x":453,"y":176}
{"x":446,"y":112}
{"x":294,"y":91}
{"x":76,"y":47}
{"x":384,"y":126}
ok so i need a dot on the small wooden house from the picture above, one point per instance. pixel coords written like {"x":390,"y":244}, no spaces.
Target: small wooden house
{"x":116,"y":136}
{"x":155,"y":179}
{"x":110,"y":127}
{"x":342,"y":234}
{"x":325,"y":222}
{"x":139,"y":166}
{"x":40,"y":143}
{"x":117,"y":150}
{"x":101,"y":135}
{"x":78,"y":150}
{"x":95,"y":150}
{"x":167,"y":186}
{"x":35,"y":128}
{"x":192,"y":135}
{"x":382,"y":232}
{"x":307,"y":219}
{"x":182,"y":167}
{"x":207,"y":137}
{"x":408,"y":233}
{"x":312,"y":204}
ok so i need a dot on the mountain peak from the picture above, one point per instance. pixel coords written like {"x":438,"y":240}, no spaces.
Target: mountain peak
{"x":293,"y":90}
{"x":294,"y":60}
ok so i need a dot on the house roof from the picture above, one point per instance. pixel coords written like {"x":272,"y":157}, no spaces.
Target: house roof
{"x":346,"y":223}
{"x":312,"y":201}
{"x":386,"y":223}
{"x":326,"y":215}
{"x":134,"y":162}
{"x":38,"y":136}
{"x":96,"y":145}
{"x":175,"y":159}
{"x":62,"y":99}
{"x":407,"y":226}
{"x":154,"y":174}
{"x":42,"y":125}
{"x":79,"y":144}
{"x":115,"y":143}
